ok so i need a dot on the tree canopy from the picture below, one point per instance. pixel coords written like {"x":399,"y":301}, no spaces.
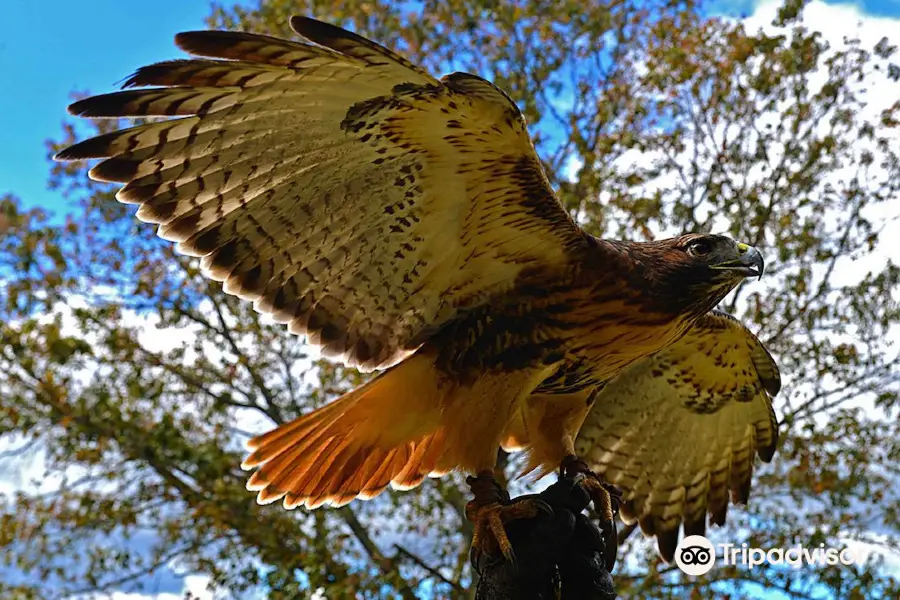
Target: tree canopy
{"x":133,"y":381}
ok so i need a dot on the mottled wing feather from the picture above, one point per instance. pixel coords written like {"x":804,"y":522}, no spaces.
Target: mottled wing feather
{"x":337,"y":186}
{"x":678,"y":430}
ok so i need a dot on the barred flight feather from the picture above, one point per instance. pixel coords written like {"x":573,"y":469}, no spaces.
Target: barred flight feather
{"x":678,"y":430}
{"x":346,"y":191}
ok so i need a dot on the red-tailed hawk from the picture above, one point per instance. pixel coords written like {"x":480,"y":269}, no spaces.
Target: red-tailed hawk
{"x":404,"y":223}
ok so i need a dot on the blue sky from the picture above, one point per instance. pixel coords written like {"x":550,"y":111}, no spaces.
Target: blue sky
{"x":879,"y":8}
{"x":49,"y":49}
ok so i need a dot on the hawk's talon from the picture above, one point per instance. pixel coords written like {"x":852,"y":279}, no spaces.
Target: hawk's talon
{"x":606,"y":498}
{"x":541,"y":506}
{"x":610,"y":546}
{"x":489,"y":520}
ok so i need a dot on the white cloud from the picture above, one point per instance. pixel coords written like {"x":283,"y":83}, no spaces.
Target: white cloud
{"x":130,"y":596}
{"x":837,"y":22}
{"x":198,"y":586}
{"x":879,"y":549}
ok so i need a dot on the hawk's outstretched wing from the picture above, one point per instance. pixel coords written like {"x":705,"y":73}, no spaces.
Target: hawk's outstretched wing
{"x":342,"y":189}
{"x":678,"y":430}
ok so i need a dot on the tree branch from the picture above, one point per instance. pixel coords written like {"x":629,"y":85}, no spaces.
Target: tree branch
{"x":455,"y":586}
{"x":388,"y":566}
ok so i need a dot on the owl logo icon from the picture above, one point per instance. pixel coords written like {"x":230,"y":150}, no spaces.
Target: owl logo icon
{"x":695,"y":555}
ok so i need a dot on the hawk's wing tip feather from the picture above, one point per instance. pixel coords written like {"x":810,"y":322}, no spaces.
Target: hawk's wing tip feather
{"x":76,"y":109}
{"x":318,"y":31}
{"x":210,"y":43}
{"x":299,"y":22}
{"x":76,"y":152}
{"x":184,"y":39}
{"x":667,"y":542}
{"x":767,"y":453}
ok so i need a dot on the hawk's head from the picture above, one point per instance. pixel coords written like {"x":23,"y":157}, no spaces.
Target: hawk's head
{"x":693,"y":272}
{"x":718,"y":257}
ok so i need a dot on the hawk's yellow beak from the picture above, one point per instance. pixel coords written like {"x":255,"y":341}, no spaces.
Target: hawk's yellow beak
{"x":749,"y":262}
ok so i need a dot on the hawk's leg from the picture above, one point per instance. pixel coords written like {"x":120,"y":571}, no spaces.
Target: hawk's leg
{"x":490,"y":510}
{"x":606,"y":498}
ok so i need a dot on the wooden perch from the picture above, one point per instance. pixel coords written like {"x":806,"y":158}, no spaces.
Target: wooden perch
{"x":558,"y":556}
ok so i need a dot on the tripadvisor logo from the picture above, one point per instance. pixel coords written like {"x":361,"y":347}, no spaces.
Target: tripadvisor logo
{"x":696,"y":555}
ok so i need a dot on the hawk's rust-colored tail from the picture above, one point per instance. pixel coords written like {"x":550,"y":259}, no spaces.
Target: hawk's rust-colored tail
{"x":386,"y":432}
{"x":410,"y":422}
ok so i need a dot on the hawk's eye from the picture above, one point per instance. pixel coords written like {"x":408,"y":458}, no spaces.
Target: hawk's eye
{"x":699,"y":248}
